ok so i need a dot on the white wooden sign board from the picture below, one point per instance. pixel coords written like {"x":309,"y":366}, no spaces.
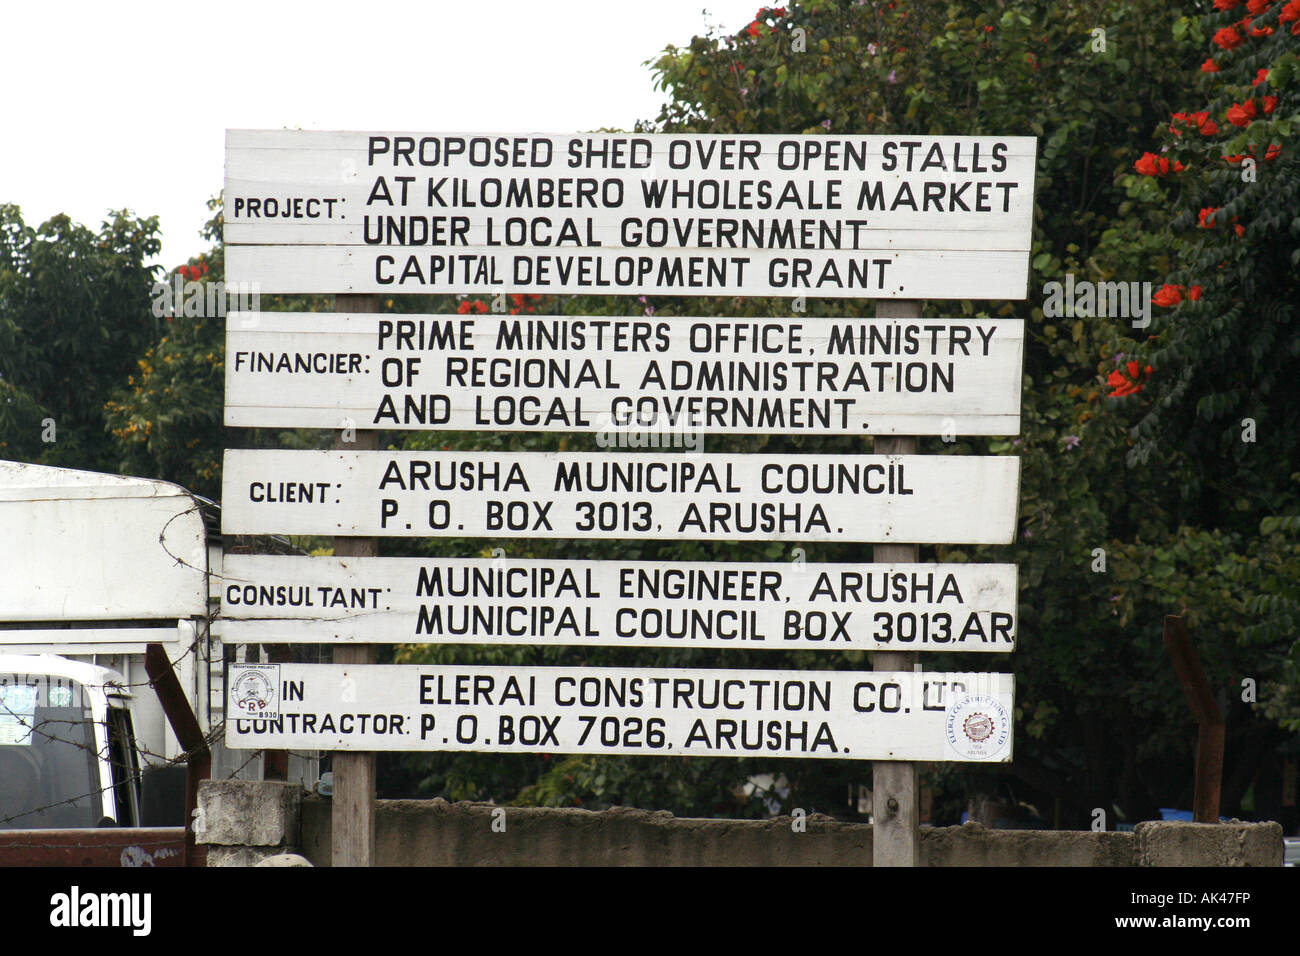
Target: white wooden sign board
{"x":83,"y":546}
{"x":882,"y":715}
{"x":898,"y":498}
{"x":275,"y":599}
{"x":629,"y":375}
{"x":917,"y":217}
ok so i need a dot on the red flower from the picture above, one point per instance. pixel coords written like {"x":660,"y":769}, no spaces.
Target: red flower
{"x":1290,"y":12}
{"x":1178,"y":167}
{"x":778,"y":11}
{"x":1225,"y":5}
{"x":1260,"y":77}
{"x":1169,"y":295}
{"x":1258,"y":6}
{"x":1206,"y":218}
{"x":754,"y":29}
{"x":1228,"y":38}
{"x":1240,"y":114}
{"x":1260,"y":31}
{"x":1209,"y":66}
{"x":1201,"y":120}
{"x":988,"y":29}
{"x":1129,"y":385}
{"x":1194,"y":293}
{"x":1240,"y":230}
{"x":1269,"y":104}
{"x":1152,"y":165}
{"x":1273,"y":152}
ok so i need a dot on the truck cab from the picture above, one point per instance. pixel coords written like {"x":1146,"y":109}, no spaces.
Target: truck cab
{"x":68,"y":756}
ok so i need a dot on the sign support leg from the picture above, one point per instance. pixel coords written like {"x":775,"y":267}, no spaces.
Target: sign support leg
{"x":895,"y":807}
{"x":352,"y":822}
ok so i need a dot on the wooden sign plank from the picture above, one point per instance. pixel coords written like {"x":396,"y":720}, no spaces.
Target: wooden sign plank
{"x":904,"y":715}
{"x":624,"y":375}
{"x":274,"y":599}
{"x":911,"y":498}
{"x":938,"y":217}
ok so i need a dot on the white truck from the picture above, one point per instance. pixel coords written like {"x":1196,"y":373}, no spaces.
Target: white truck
{"x":93,"y":569}
{"x":68,"y":755}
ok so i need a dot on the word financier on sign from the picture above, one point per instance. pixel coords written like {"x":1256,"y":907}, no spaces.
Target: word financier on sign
{"x":768,"y":376}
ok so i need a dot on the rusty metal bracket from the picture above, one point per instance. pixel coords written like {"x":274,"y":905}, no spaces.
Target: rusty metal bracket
{"x":186,"y":727}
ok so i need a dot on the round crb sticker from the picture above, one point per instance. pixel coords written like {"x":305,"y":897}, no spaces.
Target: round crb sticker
{"x":253,"y":690}
{"x":977,"y":727}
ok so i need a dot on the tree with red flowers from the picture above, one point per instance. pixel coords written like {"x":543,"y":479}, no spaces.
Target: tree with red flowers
{"x":1221,"y":413}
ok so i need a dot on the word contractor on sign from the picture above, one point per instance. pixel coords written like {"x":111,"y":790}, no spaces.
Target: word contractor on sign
{"x":918,"y":217}
{"x":878,"y":715}
{"x":270,"y":599}
{"x":909,"y":498}
{"x":770,"y":376}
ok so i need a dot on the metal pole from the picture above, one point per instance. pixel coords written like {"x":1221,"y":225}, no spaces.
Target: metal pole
{"x":895,"y":808}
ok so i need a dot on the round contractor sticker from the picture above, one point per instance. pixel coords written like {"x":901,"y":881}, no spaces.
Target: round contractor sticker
{"x":253,"y":689}
{"x":977,"y":727}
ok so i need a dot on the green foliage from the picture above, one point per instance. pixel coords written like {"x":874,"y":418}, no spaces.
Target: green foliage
{"x":74,"y":316}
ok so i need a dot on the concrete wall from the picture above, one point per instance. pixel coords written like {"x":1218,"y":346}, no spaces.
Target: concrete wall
{"x":438,"y":833}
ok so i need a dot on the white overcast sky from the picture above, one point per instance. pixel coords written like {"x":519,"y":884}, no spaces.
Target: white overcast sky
{"x":125,"y":104}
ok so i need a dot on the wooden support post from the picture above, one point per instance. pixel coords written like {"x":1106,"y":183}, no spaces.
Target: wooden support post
{"x":352,"y":821}
{"x":1209,"y":719}
{"x":275,"y":763}
{"x":895,"y":807}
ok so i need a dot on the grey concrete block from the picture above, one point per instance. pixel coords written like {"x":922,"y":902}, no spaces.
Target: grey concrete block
{"x":248,"y":813}
{"x":285,"y":859}
{"x":1174,"y":843}
{"x":242,"y":855}
{"x":974,"y":845}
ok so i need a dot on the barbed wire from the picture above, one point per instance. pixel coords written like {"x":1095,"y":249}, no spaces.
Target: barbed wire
{"x":132,"y":775}
{"x":137,"y":774}
{"x":193,"y":648}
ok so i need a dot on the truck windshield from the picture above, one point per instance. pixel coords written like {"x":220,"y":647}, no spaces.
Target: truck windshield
{"x":49,"y":767}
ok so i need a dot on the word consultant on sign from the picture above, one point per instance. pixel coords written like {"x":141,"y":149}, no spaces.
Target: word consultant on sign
{"x":917,"y":217}
{"x":745,"y":605}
